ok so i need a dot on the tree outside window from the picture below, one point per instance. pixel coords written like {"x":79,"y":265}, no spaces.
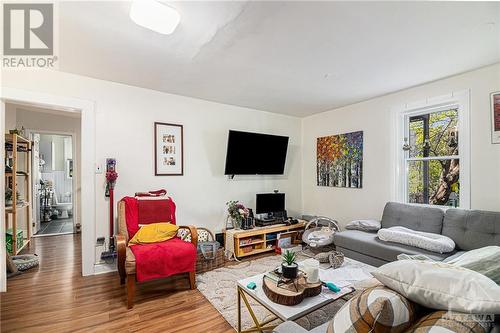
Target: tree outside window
{"x":432,"y":158}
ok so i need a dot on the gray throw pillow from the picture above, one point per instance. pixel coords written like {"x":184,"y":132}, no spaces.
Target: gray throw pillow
{"x":364,"y":225}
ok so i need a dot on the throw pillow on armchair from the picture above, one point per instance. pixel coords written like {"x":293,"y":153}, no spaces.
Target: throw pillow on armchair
{"x":154,"y":233}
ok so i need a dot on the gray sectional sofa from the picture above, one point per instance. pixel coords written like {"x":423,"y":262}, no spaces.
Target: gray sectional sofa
{"x":469,"y":229}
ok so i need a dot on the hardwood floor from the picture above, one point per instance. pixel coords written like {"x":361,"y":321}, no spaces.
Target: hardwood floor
{"x":55,"y":298}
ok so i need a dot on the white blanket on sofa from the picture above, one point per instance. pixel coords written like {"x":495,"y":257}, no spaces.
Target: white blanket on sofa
{"x":423,"y":240}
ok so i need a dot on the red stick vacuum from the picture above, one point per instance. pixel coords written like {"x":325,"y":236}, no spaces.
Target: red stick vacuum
{"x":111,"y":220}
{"x":111,"y":176}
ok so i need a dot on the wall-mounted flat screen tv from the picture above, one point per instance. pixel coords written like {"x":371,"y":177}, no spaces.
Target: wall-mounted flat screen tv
{"x":255,"y":154}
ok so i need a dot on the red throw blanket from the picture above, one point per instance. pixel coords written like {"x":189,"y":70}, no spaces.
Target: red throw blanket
{"x":156,"y":210}
{"x":158,"y":260}
{"x":131,"y":216}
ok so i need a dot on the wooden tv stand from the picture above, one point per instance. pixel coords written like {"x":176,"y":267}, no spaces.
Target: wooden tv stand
{"x":259,"y":239}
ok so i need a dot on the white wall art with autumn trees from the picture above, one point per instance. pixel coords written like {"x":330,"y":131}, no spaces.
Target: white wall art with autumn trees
{"x":339,"y":160}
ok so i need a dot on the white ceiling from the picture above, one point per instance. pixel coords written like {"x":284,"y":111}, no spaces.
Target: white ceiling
{"x":296,"y":58}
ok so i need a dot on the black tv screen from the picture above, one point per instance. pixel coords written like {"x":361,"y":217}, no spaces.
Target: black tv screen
{"x":270,"y":203}
{"x":255,"y":154}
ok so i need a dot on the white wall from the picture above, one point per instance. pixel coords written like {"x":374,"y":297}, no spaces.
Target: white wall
{"x":124,"y":130}
{"x":374,"y":118}
{"x":10,"y":117}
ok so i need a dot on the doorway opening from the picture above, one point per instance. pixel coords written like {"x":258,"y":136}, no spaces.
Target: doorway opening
{"x":54,"y":137}
{"x":53,"y":170}
{"x":84,"y":110}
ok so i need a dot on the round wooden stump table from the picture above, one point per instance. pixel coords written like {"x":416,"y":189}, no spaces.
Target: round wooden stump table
{"x":290,"y":293}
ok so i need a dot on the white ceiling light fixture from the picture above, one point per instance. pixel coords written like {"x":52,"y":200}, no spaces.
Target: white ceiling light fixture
{"x":155,"y":16}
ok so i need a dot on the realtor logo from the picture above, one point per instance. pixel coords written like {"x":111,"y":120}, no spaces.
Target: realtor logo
{"x":28,"y":35}
{"x":29,"y":29}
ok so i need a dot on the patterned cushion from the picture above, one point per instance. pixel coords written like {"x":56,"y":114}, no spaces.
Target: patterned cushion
{"x":448,"y":322}
{"x":184,"y":234}
{"x":375,"y":310}
{"x":204,"y":235}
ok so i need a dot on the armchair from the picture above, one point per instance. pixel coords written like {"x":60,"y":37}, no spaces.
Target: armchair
{"x":127,"y":260}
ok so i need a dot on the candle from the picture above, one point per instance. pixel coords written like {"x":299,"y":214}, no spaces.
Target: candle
{"x":311,"y":268}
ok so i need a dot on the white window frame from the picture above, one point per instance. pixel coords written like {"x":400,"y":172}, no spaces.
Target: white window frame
{"x":456,"y":100}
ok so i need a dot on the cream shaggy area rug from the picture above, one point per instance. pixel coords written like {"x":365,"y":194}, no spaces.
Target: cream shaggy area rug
{"x":219,"y":288}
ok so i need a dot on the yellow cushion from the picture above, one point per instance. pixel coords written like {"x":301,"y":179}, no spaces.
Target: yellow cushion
{"x":154,"y":233}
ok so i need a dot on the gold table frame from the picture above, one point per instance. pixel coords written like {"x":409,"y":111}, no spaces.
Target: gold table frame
{"x":259,"y":326}
{"x":264,"y":326}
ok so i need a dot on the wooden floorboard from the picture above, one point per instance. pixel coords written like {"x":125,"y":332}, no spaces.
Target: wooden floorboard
{"x":55,"y":298}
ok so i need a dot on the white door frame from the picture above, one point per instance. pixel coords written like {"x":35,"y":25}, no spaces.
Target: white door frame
{"x":76,"y":167}
{"x":87,"y":144}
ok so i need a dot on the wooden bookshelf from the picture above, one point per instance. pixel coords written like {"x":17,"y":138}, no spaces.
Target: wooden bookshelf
{"x":20,"y":173}
{"x":255,"y":241}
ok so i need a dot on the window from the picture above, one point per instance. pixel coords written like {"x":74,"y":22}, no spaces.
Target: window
{"x":433,"y":163}
{"x":433,"y":155}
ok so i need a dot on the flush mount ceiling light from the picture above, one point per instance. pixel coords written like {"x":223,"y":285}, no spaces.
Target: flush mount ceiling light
{"x":155,"y":16}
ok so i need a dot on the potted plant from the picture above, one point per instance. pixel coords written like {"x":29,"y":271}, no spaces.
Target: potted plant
{"x":289,"y":266}
{"x":237,"y":212}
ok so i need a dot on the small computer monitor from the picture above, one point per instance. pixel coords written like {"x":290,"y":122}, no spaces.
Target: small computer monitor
{"x":270,"y":203}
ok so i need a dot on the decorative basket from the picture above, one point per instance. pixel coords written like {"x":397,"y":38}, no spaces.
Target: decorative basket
{"x":336,"y":259}
{"x":323,"y":257}
{"x":219,"y":259}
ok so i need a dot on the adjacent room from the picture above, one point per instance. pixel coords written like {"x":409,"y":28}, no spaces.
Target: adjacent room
{"x":55,"y":183}
{"x":250,"y":166}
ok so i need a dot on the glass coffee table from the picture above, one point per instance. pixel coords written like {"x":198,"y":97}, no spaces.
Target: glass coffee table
{"x":343,"y":277}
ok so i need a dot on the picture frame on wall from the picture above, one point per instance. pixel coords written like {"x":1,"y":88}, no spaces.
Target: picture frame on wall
{"x":339,"y":160}
{"x":495,"y":117}
{"x":169,"y":149}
